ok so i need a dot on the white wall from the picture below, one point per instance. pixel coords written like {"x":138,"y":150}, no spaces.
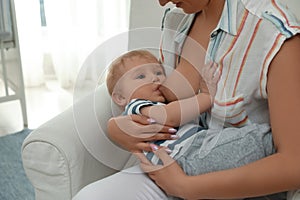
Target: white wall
{"x":145,"y":22}
{"x":145,"y":13}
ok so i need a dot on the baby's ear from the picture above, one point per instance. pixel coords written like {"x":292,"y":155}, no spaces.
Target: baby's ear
{"x":119,"y":99}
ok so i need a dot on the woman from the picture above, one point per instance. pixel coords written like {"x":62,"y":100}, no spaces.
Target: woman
{"x":256,"y":45}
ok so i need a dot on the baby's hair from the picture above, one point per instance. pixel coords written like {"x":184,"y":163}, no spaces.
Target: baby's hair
{"x":116,"y":68}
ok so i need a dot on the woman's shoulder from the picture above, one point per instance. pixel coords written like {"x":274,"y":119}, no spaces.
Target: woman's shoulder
{"x":173,"y":17}
{"x":277,"y":13}
{"x":175,"y":11}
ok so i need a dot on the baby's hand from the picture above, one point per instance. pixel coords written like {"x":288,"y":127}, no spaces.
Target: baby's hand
{"x":211,"y":75}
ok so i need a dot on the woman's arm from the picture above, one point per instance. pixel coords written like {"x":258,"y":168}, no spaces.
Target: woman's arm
{"x":275,"y":173}
{"x":182,"y":111}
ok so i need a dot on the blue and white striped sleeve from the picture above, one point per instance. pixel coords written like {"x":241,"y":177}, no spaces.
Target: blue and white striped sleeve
{"x":135,"y":105}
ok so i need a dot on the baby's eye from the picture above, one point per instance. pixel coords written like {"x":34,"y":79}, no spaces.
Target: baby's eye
{"x":159,"y":73}
{"x":140,"y":76}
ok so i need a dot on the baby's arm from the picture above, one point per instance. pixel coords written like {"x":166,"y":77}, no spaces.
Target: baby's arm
{"x":178,"y":112}
{"x":182,"y":111}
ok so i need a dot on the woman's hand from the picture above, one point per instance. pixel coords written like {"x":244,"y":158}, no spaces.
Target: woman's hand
{"x":169,"y":176}
{"x":211,"y":75}
{"x":134,"y":132}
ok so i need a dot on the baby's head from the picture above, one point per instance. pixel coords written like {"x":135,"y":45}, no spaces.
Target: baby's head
{"x":136,"y":74}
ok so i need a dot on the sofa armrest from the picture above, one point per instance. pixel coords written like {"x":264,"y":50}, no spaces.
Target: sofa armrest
{"x":72,"y":150}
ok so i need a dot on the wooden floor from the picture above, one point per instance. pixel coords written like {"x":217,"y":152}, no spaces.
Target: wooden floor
{"x":43,"y":103}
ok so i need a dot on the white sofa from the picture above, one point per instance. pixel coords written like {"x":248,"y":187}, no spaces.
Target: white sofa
{"x":55,"y":156}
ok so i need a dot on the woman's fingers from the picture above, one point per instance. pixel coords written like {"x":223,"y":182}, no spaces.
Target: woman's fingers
{"x":161,"y":153}
{"x":142,"y":119}
{"x":134,"y":132}
{"x":211,"y":75}
{"x":145,"y":128}
{"x":147,"y":168}
{"x":214,"y":73}
{"x":142,"y":146}
{"x":143,"y":159}
{"x":210,"y":72}
{"x":146,"y":165}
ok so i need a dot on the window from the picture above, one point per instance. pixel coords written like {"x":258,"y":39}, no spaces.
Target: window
{"x":42,"y":12}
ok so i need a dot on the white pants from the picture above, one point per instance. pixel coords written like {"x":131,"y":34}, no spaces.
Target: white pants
{"x":129,"y":184}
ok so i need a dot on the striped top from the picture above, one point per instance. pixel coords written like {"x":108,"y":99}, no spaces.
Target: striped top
{"x":246,"y":39}
{"x":186,"y":132}
{"x":135,"y":105}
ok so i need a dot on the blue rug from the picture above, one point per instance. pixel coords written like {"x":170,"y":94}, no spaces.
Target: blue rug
{"x":14,"y":184}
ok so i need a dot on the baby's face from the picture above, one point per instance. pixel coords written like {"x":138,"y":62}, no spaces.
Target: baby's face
{"x":142,"y":80}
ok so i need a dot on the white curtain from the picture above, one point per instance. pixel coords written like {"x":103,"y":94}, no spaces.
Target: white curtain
{"x":74,"y":29}
{"x":30,"y":40}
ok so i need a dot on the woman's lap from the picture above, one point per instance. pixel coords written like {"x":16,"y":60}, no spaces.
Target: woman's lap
{"x":128,"y":185}
{"x":132,"y":183}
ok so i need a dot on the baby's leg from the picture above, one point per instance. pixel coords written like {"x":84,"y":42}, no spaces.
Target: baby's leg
{"x":186,"y":134}
{"x":127,"y":185}
{"x":234,"y":147}
{"x":230,"y":148}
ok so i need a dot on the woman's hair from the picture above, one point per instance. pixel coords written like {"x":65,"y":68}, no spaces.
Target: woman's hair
{"x":117,"y":68}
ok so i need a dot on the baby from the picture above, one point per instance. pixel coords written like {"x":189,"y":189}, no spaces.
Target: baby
{"x":133,"y":81}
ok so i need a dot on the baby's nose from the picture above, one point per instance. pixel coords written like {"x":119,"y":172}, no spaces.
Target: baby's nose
{"x":155,"y":79}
